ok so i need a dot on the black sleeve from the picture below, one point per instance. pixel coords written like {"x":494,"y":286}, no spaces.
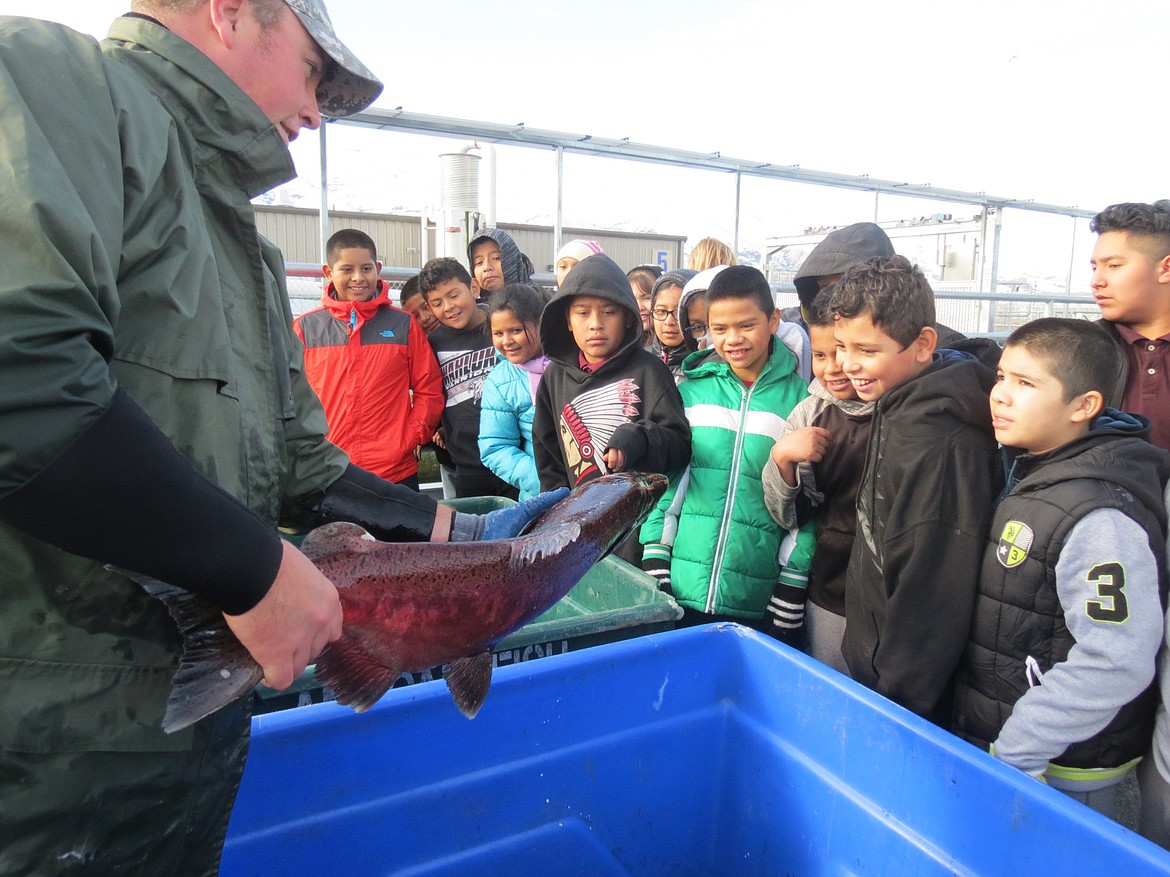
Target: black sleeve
{"x":123,"y":494}
{"x":388,"y":511}
{"x":659,"y":440}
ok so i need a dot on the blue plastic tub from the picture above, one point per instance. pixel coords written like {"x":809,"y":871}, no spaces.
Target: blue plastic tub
{"x":708,"y":751}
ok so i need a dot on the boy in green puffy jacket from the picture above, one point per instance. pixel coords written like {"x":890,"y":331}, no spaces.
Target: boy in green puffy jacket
{"x":711,"y":541}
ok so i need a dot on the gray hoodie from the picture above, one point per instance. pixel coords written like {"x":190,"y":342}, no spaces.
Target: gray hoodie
{"x":517,"y":266}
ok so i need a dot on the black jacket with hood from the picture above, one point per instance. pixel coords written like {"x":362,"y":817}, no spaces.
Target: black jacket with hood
{"x":839,"y":251}
{"x":931,"y":477}
{"x":629,"y":403}
{"x":1020,"y":632}
{"x":1117,"y":392}
{"x":845,"y":247}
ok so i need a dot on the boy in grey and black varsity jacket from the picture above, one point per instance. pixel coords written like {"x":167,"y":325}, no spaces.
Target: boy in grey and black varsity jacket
{"x":1057,"y":675}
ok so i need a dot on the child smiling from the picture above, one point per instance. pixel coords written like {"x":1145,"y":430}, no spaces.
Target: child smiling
{"x":924,"y":502}
{"x":509,"y":393}
{"x":721,"y":554}
{"x":813,"y":473}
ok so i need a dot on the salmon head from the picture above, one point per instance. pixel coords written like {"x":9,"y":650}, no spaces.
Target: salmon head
{"x":608,"y":509}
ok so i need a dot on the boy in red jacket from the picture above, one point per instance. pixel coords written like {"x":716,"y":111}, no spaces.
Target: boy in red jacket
{"x":370,"y":364}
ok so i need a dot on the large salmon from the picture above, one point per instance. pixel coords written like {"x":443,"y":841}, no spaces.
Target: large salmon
{"x":408,"y":607}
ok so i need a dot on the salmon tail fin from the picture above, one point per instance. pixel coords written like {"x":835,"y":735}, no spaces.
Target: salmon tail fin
{"x":468,"y":680}
{"x":357,"y":680}
{"x":215,"y":668}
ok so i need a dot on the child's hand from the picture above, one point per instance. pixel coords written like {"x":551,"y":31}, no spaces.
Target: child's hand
{"x":615,"y":460}
{"x":807,"y":445}
{"x":437,"y":438}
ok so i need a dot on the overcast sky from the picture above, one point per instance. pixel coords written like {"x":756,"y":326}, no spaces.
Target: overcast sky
{"x":1052,"y":100}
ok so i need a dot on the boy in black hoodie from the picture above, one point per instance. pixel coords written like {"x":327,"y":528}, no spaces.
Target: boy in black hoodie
{"x":831,"y":258}
{"x":605,"y":403}
{"x":930,"y":477}
{"x":841,"y":250}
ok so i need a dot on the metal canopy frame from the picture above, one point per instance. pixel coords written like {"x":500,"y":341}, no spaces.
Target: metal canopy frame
{"x":521,"y":135}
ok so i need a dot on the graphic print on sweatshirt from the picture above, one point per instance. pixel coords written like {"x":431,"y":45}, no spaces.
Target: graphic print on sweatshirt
{"x":464,"y":372}
{"x":589,"y":421}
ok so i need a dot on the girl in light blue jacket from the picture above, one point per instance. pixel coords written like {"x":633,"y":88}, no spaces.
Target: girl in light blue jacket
{"x":505,"y":422}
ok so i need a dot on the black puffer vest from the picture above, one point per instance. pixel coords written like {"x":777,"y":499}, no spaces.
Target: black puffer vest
{"x":1018,"y":617}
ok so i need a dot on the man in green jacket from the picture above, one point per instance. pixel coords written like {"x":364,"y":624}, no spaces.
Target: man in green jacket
{"x":154,"y":416}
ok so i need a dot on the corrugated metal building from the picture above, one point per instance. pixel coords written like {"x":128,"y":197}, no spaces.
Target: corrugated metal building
{"x":626,"y":248}
{"x":297,"y":231}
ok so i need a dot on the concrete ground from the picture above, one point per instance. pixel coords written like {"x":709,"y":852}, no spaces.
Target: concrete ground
{"x":1129,"y":802}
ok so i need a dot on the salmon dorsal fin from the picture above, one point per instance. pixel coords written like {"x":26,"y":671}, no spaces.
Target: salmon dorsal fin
{"x":545,"y":542}
{"x":468,"y":680}
{"x":334,"y":538}
{"x":357,"y":680}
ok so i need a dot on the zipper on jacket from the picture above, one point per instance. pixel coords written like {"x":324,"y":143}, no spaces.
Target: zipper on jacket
{"x":729,"y":507}
{"x":866,"y":499}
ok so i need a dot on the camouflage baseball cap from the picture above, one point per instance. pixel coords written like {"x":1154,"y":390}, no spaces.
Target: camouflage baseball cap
{"x":349,"y":86}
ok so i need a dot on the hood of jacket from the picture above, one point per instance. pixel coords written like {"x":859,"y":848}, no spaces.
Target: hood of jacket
{"x":679,"y":277}
{"x":986,"y":350}
{"x":1037,"y":471}
{"x":795,"y":339}
{"x":535,"y":366}
{"x":672,"y":356}
{"x":957,"y":387}
{"x":837,"y":252}
{"x":517,"y":268}
{"x":598,"y":276}
{"x":231,"y":128}
{"x":1117,"y":391}
{"x":341,"y":309}
{"x":695,"y":288}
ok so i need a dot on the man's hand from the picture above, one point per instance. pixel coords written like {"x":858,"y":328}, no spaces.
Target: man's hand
{"x":298,"y":617}
{"x":503,"y":523}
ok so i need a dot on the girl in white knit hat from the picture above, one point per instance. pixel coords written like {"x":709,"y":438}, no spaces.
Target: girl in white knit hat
{"x":572,"y":253}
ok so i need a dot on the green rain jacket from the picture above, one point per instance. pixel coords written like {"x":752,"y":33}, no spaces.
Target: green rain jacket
{"x":146,"y":272}
{"x":725,"y":557}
